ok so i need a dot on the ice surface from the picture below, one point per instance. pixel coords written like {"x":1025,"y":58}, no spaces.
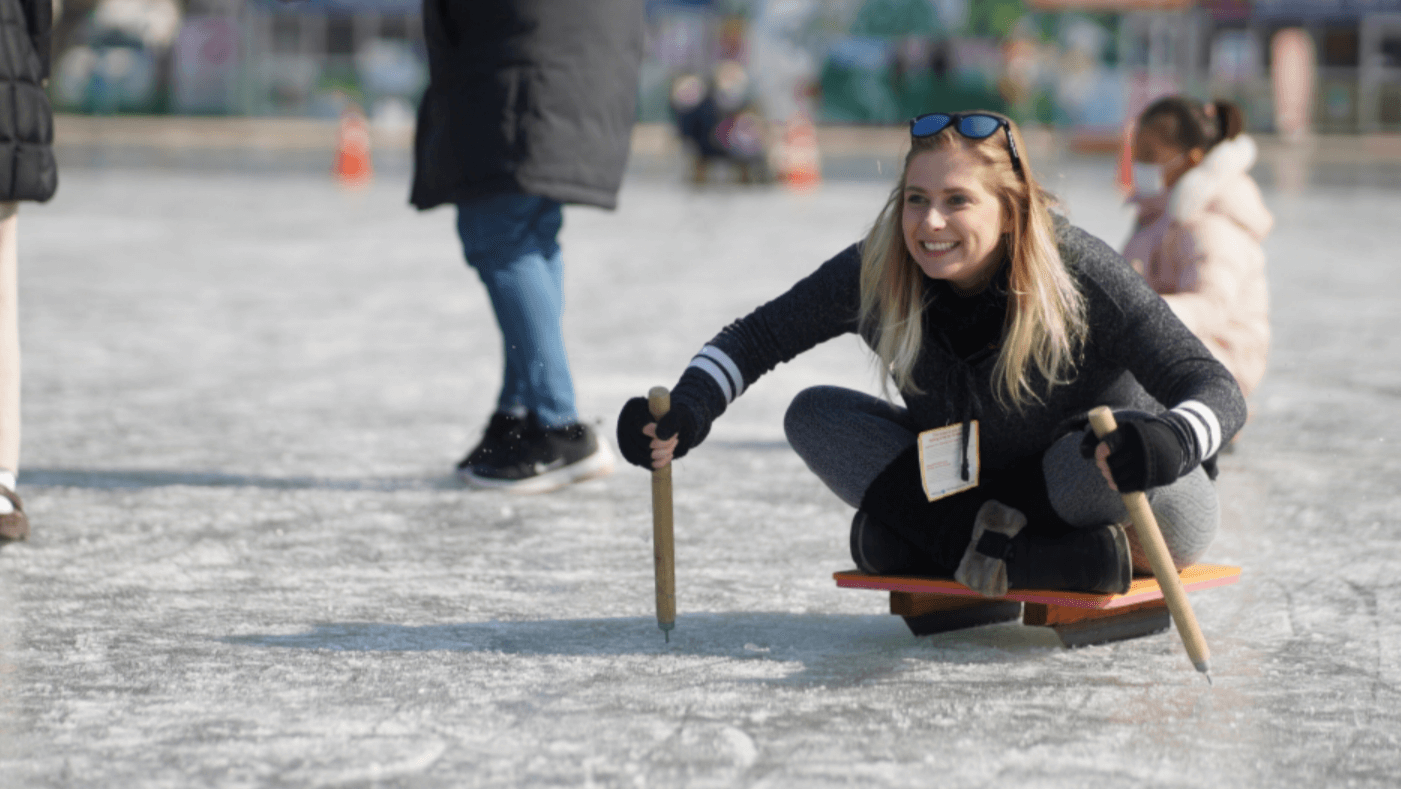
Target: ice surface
{"x":251,"y":567}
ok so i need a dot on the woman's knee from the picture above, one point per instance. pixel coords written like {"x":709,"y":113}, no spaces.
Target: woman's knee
{"x":1187,"y":511}
{"x":1188,"y":514}
{"x":1077,"y":490}
{"x":809,"y":416}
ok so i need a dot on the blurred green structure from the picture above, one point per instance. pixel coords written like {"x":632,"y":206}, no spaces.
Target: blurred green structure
{"x":1084,"y":65}
{"x":895,"y":64}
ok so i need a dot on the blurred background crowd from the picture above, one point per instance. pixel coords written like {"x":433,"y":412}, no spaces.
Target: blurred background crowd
{"x":733,"y":69}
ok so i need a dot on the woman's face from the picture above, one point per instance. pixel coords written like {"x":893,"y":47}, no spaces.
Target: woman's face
{"x":953,"y":225}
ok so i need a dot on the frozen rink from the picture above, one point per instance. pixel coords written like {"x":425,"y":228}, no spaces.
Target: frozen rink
{"x":251,"y":565}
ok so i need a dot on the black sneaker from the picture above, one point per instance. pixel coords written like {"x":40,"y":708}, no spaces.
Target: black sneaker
{"x":544,"y":459}
{"x":502,"y":437}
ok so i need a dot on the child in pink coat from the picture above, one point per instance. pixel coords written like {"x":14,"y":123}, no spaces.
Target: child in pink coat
{"x":1198,"y":241}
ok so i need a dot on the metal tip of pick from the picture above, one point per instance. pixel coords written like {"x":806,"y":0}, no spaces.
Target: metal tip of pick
{"x":667,"y":633}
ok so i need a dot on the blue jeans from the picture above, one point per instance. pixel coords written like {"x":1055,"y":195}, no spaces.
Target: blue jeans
{"x":510,"y":239}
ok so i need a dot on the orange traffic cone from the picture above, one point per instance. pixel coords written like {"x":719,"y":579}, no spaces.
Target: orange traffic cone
{"x":799,"y":160}
{"x":353,"y":165}
{"x":1124,"y":178}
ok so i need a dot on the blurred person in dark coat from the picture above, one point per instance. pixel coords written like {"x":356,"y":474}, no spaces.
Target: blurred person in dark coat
{"x":719,"y":120}
{"x":530,"y":106}
{"x":27,"y":172}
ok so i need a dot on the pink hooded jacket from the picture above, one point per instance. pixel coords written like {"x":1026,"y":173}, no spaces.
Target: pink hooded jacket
{"x":1199,"y":245}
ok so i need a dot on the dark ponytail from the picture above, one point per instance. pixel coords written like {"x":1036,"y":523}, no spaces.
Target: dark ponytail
{"x":1230,"y":121}
{"x":1186,"y":123}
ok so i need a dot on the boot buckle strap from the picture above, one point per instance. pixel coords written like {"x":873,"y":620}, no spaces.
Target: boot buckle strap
{"x":994,"y":545}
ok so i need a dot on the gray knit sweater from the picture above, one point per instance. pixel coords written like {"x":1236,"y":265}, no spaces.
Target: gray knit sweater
{"x":1137,"y":355}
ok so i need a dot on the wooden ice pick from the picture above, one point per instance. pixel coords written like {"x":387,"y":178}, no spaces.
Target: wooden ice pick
{"x":663,"y":547}
{"x":1151,"y":538}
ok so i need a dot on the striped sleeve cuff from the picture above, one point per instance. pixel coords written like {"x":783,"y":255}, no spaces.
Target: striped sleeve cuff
{"x":1205,"y":426}
{"x":718,"y":365}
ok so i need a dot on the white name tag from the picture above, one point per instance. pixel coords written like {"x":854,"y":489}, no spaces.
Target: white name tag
{"x":941,"y":460}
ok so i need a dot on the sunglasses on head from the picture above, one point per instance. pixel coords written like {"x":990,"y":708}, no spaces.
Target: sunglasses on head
{"x":973,"y":125}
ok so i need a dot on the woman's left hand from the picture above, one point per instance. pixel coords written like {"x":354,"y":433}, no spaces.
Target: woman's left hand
{"x":1143,"y":453}
{"x":1102,"y":460}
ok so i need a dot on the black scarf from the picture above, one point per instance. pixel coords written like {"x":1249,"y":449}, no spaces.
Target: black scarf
{"x":969,"y":329}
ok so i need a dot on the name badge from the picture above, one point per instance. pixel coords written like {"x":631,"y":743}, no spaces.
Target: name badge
{"x":941,"y":460}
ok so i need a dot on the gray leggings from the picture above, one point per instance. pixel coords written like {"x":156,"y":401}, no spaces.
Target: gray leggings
{"x":847,"y":438}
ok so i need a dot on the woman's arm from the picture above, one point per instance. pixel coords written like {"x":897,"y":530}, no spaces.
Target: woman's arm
{"x":1132,"y":328}
{"x":819,"y":307}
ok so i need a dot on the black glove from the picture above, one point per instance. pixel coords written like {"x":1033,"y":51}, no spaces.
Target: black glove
{"x":636,"y":446}
{"x":1145,"y":452}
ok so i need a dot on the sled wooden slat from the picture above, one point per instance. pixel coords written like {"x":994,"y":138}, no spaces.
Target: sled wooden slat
{"x":936,"y":605}
{"x":1143,"y":589}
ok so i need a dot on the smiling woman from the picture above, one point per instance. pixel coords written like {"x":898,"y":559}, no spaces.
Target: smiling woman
{"x":995,"y":212}
{"x":953,"y":225}
{"x":1000,"y":327}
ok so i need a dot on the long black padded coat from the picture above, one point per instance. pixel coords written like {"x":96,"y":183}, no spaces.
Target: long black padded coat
{"x":531,"y":96}
{"x":27,"y":168}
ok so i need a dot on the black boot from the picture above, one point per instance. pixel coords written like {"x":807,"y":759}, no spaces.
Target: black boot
{"x":880,"y":550}
{"x":939,"y":530}
{"x":1084,"y":560}
{"x":1004,"y":554}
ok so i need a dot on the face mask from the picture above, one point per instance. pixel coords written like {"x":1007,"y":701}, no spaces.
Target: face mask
{"x":1147,"y":178}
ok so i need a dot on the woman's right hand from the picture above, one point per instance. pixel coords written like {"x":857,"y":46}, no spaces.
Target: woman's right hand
{"x":662,"y":451}
{"x":638,"y":433}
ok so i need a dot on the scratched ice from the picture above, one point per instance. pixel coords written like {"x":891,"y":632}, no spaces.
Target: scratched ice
{"x":250,"y":567}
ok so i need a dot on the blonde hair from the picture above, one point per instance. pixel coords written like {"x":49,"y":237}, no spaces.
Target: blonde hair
{"x":1045,"y":325}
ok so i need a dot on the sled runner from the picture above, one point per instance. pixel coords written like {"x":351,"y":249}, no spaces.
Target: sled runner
{"x":938,"y":605}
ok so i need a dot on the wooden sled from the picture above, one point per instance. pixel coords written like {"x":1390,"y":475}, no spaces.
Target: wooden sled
{"x":938,"y":605}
